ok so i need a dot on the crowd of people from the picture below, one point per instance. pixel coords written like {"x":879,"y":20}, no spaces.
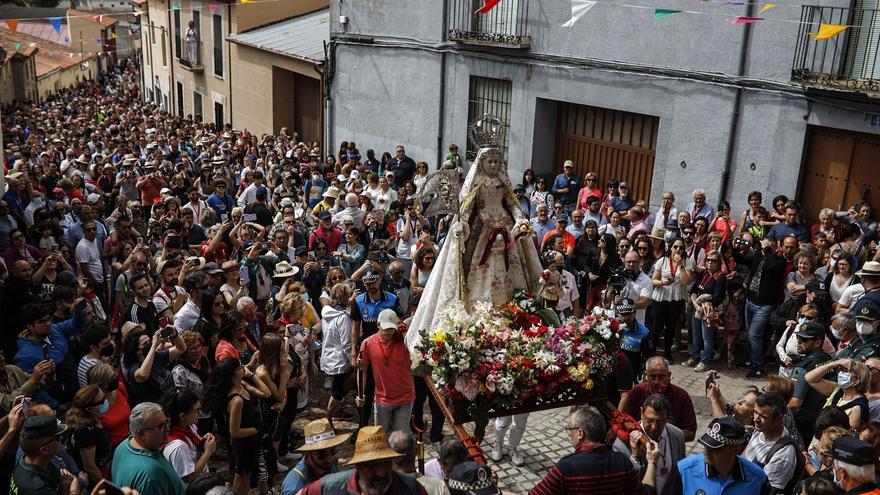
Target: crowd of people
{"x":175,"y":295}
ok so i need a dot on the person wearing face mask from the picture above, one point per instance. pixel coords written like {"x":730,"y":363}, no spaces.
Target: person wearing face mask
{"x":854,"y":466}
{"x":867,"y":343}
{"x":658,"y":380}
{"x":97,"y":340}
{"x":818,"y":459}
{"x":87,"y":440}
{"x":806,"y":401}
{"x":847,"y":391}
{"x":786,"y":346}
{"x":36,"y":203}
{"x":843,"y":329}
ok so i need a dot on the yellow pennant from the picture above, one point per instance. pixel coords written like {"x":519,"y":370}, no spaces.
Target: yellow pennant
{"x":766,"y":7}
{"x":827,"y":31}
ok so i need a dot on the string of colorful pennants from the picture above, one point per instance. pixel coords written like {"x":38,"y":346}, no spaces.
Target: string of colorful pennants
{"x":581,"y":7}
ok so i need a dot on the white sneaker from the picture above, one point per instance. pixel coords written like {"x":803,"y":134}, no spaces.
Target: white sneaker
{"x":282,"y":468}
{"x":497,"y":453}
{"x":516,"y":458}
{"x":700,"y":368}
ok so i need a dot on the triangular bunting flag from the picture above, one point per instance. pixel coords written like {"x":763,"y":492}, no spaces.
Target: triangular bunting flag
{"x":56,"y":23}
{"x":745,"y":20}
{"x":827,"y":31}
{"x":766,"y":7}
{"x":114,"y":35}
{"x":13,"y":25}
{"x":578,"y":9}
{"x":17,"y":46}
{"x":487,"y":6}
{"x":661,"y":13}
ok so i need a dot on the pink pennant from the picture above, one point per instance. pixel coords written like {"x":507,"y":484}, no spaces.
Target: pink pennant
{"x":213,"y":6}
{"x":488,"y":6}
{"x":745,"y":20}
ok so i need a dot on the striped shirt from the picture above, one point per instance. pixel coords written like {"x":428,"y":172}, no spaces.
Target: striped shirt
{"x":593,"y":469}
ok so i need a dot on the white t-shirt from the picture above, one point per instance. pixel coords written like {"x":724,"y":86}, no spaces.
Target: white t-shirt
{"x":163,"y":300}
{"x":781,"y":467}
{"x":88,"y":252}
{"x":182,"y":455}
{"x":850,"y":295}
{"x":636,"y":289}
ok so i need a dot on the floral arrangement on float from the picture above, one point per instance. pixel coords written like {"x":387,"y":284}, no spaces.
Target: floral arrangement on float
{"x":492,"y":361}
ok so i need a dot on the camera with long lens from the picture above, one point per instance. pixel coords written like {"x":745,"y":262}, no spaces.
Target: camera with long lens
{"x":617,"y":280}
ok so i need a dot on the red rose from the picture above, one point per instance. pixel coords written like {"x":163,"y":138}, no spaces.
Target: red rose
{"x":540,"y":389}
{"x":615,"y":325}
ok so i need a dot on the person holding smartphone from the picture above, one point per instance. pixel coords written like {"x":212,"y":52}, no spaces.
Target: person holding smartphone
{"x":40,"y":331}
{"x":145,"y":362}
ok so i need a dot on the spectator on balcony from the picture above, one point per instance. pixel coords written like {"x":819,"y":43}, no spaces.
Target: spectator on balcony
{"x":192,"y":44}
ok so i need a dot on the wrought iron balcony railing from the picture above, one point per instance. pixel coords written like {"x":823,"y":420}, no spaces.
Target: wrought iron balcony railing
{"x":503,"y":26}
{"x":848,"y":61}
{"x":191,"y":55}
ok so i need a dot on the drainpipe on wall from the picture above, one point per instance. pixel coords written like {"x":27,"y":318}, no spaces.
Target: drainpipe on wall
{"x":229,"y":57}
{"x":737,"y":104}
{"x":329,"y":73}
{"x":171,"y":85}
{"x":441,"y":100}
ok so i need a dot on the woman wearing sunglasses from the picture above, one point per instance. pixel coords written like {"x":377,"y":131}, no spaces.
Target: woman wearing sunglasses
{"x":672,"y":273}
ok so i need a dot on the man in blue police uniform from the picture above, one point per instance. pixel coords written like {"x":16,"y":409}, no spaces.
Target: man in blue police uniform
{"x":719,"y":470}
{"x":364,"y":312}
{"x":854,"y":466}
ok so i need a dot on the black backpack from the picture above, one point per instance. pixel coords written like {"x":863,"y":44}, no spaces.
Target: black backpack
{"x":780,"y":444}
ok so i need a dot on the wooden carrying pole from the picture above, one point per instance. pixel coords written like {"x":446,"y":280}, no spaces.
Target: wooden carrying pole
{"x":467,"y":439}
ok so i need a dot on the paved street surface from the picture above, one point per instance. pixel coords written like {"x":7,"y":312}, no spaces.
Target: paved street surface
{"x":545,"y":440}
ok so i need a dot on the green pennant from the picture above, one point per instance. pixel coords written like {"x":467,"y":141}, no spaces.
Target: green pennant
{"x":660,"y":13}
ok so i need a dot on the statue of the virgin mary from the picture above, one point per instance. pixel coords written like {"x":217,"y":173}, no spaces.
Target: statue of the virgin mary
{"x":489,"y":251}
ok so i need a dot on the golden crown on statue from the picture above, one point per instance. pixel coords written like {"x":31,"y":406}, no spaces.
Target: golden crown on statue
{"x":487,"y":132}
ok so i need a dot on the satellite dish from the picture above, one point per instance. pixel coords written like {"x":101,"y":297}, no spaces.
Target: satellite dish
{"x":84,"y":64}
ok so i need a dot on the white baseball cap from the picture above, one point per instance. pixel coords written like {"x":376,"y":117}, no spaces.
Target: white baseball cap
{"x":388,"y":319}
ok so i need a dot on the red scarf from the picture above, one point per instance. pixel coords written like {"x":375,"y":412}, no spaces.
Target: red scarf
{"x":182,"y":433}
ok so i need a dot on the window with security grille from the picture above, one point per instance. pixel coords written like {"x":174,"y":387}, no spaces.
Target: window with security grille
{"x":492,"y":97}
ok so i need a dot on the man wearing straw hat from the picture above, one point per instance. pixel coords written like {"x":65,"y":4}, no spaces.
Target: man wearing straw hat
{"x":373,"y":472}
{"x":319,"y":459}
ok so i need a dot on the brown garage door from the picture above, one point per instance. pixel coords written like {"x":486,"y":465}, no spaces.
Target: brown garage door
{"x":839,"y":171}
{"x":614,"y":144}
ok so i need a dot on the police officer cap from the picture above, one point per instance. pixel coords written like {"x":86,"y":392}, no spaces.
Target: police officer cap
{"x":811,"y":330}
{"x":370,"y":277}
{"x":723,"y":432}
{"x":626,"y":306}
{"x":852,"y":451}
{"x":865,"y":309}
